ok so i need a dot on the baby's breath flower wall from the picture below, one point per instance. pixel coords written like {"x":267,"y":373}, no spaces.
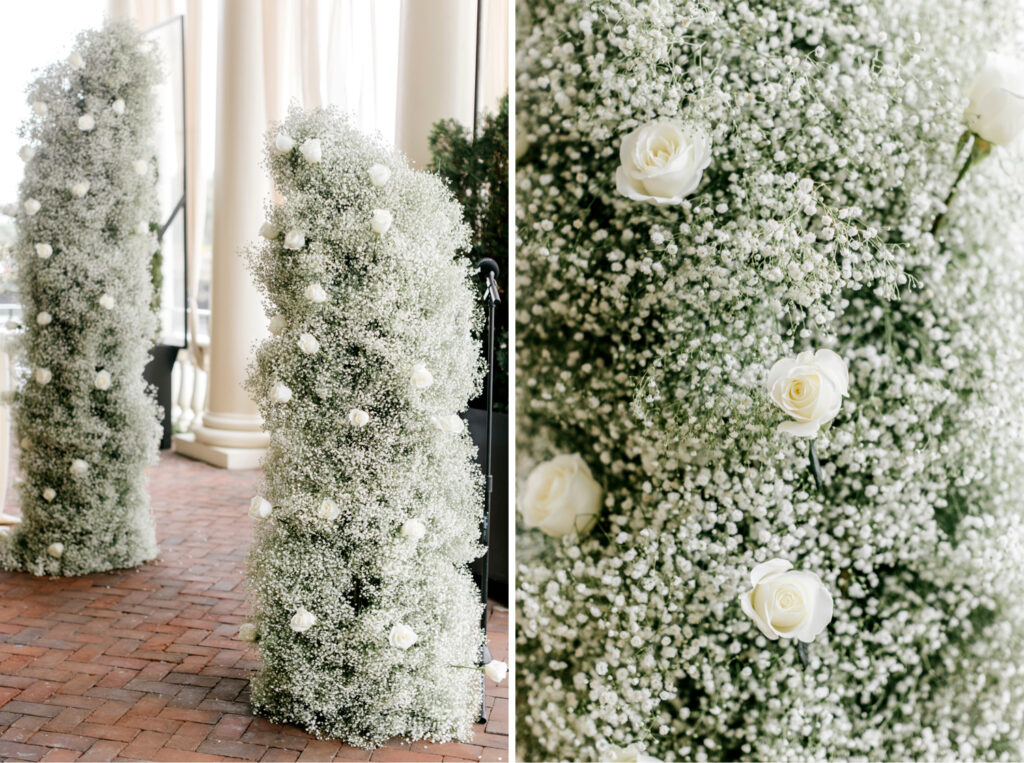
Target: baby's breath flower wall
{"x":366,"y":617}
{"x":85,"y":422}
{"x":767,"y":321}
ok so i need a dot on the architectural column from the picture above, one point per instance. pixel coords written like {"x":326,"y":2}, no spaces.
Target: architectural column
{"x":231,"y":432}
{"x":436,"y":71}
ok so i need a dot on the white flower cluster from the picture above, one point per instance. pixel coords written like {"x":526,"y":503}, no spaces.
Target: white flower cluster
{"x":722,"y":605}
{"x":366,"y":617}
{"x":86,"y":421}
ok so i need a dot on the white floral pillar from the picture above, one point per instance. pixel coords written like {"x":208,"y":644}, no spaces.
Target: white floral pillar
{"x":231,"y":434}
{"x":436,"y":71}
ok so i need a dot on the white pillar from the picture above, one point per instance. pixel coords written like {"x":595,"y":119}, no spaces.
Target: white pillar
{"x":231,"y":432}
{"x":436,"y":71}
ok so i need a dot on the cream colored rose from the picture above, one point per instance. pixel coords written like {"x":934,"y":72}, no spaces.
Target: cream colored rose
{"x":79,"y":466}
{"x":142,"y":228}
{"x":379,"y":174}
{"x":76,"y":62}
{"x":86,"y":122}
{"x":107,"y":302}
{"x":451,"y":423}
{"x":26,"y":153}
{"x":102,"y":380}
{"x":44,"y":251}
{"x":277,"y":325}
{"x":302,"y":620}
{"x":810,"y":389}
{"x":357,"y":417}
{"x":294,"y":240}
{"x":315,"y":293}
{"x":496,"y":670}
{"x":269,"y":231}
{"x":43,"y":376}
{"x":247,"y":632}
{"x":118,"y":106}
{"x":631,"y":754}
{"x":32,"y":206}
{"x":402,"y":636}
{"x":381,"y":221}
{"x":56,"y":550}
{"x":421,"y":376}
{"x":787,"y":603}
{"x":311,"y":150}
{"x":43,"y":318}
{"x":260,"y":507}
{"x":40,"y":108}
{"x":328,"y":510}
{"x":413,"y":529}
{"x":49,"y":494}
{"x":996,"y":109}
{"x":561,"y":497}
{"x":662,"y":162}
{"x":141,"y":167}
{"x":308,"y":344}
{"x":79,"y":189}
{"x":280,"y":393}
{"x":283,"y":142}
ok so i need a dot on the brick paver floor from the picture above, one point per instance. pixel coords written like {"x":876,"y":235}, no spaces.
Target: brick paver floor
{"x":144,"y":664}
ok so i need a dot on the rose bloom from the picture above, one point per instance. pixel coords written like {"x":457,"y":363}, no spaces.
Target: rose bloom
{"x":561,"y":497}
{"x":43,"y":318}
{"x":141,"y":167}
{"x":102,"y":380}
{"x":76,"y":61}
{"x":810,"y":389}
{"x":43,"y":375}
{"x":79,"y":189}
{"x":662,"y":162}
{"x":302,"y":620}
{"x":56,"y":550}
{"x":39,"y":108}
{"x":32,"y":206}
{"x":79,"y":467}
{"x":451,"y":423}
{"x":328,"y":510}
{"x":49,"y":494}
{"x":379,"y":174}
{"x":86,"y":122}
{"x":421,"y":376}
{"x":316,"y":293}
{"x":26,"y":153}
{"x":107,"y":302}
{"x":311,"y":150}
{"x":117,"y":107}
{"x":269,"y":231}
{"x":402,"y":636}
{"x":294,"y":240}
{"x":283,"y":142}
{"x":259,"y":507}
{"x":277,"y":324}
{"x":308,"y":344}
{"x":279,"y":393}
{"x":496,"y":670}
{"x":381,"y":221}
{"x":44,"y":251}
{"x":247,"y":632}
{"x":787,"y":603}
{"x":413,"y":529}
{"x":996,"y":109}
{"x":357,"y":417}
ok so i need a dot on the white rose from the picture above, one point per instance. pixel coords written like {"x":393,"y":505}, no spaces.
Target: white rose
{"x":56,"y":550}
{"x":629,"y":754}
{"x":43,"y":376}
{"x":26,"y":153}
{"x":43,"y":318}
{"x":25,"y":444}
{"x":662,"y":162}
{"x":79,"y":467}
{"x":49,"y":494}
{"x":315,"y":293}
{"x":44,"y":251}
{"x":561,"y":497}
{"x":279,"y":393}
{"x":402,"y":636}
{"x":810,"y":389}
{"x":142,"y":228}
{"x":86,"y":122}
{"x":247,"y":632}
{"x":302,"y":620}
{"x":357,"y":417}
{"x":381,"y":221}
{"x":379,"y":174}
{"x":39,"y":108}
{"x":413,"y":529}
{"x":787,"y":603}
{"x":269,"y":231}
{"x":277,"y":324}
{"x":76,"y":61}
{"x":451,"y":423}
{"x":283,"y":142}
{"x":294,"y":239}
{"x":308,"y":344}
{"x":141,"y":167}
{"x":328,"y":510}
{"x":117,"y":107}
{"x":996,"y":109}
{"x":102,"y":380}
{"x":79,"y":189}
{"x":31,"y":207}
{"x":107,"y":302}
{"x":496,"y":670}
{"x":311,"y":150}
{"x":421,"y":376}
{"x":259,"y":507}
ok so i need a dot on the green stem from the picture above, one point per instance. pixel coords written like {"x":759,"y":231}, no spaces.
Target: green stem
{"x":979,"y":149}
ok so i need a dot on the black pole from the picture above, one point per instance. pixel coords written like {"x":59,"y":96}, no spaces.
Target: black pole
{"x":489,"y":271}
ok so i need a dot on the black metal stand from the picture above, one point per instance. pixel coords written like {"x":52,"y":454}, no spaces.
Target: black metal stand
{"x":489,"y":272}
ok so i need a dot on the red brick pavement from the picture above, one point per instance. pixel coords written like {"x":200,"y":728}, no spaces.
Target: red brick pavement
{"x":144,"y":664}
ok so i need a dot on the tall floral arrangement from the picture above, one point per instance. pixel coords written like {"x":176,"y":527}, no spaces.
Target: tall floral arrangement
{"x":769,"y":352}
{"x":366,"y":618}
{"x":85,"y":422}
